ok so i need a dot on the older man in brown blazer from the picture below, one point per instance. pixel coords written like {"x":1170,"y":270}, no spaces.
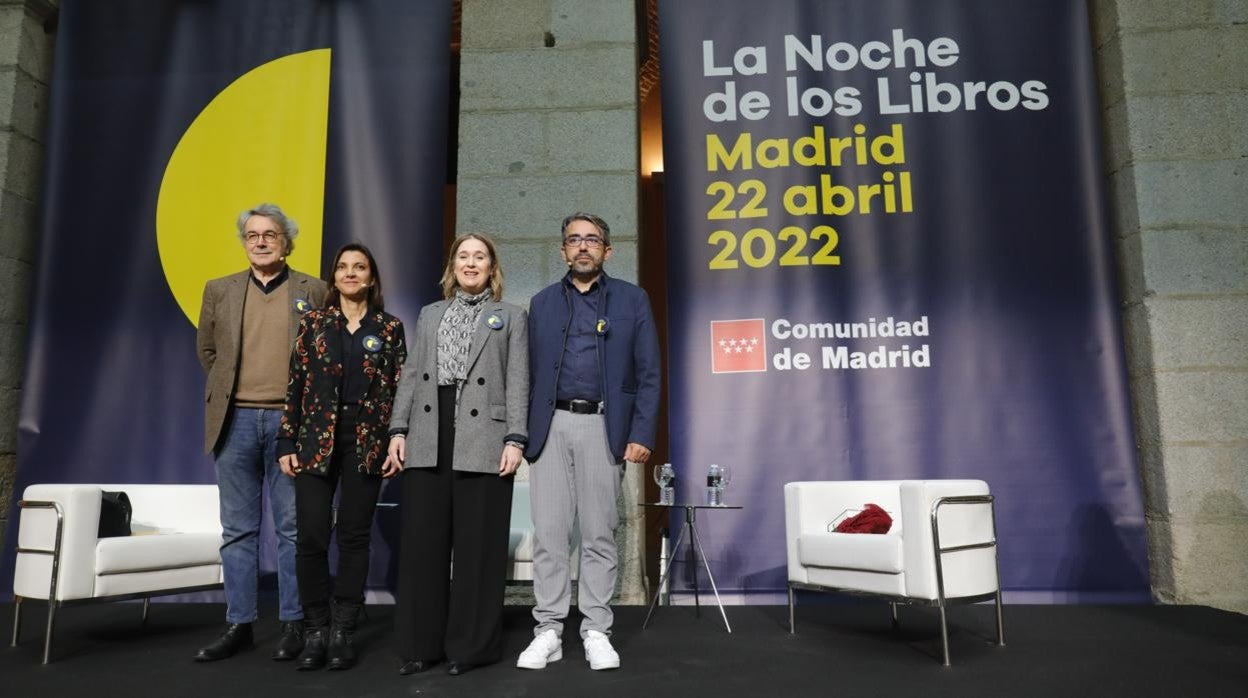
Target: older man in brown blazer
{"x":247,"y":326}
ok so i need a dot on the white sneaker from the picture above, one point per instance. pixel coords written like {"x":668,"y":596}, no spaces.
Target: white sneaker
{"x":599,"y":652}
{"x":544,"y":648}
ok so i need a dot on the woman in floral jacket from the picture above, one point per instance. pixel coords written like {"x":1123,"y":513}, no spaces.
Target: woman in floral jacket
{"x":343,"y":374}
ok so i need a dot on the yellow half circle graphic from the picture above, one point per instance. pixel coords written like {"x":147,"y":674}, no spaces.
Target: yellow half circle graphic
{"x":262,"y":139}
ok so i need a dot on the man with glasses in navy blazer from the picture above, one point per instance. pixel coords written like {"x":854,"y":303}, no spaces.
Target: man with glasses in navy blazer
{"x":594,"y":387}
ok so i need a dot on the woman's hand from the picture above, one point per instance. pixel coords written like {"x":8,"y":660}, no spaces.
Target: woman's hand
{"x":510,"y":460}
{"x":396,"y":455}
{"x":289,"y":464}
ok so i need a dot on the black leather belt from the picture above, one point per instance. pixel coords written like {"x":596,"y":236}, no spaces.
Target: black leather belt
{"x":579,"y":406}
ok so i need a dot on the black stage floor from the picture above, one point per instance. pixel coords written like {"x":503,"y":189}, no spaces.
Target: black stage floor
{"x":839,"y":650}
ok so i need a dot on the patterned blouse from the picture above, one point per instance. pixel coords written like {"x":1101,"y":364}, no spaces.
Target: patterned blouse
{"x":455,"y":336}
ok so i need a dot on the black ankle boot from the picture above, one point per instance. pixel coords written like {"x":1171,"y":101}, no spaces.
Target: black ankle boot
{"x":342,"y":636}
{"x":315,"y":638}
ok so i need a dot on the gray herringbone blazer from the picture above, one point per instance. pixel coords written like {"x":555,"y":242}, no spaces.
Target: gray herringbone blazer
{"x":494,"y":402}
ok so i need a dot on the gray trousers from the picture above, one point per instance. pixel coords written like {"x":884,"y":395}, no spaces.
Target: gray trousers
{"x":575,"y":479}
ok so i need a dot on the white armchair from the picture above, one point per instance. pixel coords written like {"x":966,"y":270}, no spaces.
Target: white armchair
{"x":941,"y":548}
{"x":175,"y":547}
{"x":520,"y":546}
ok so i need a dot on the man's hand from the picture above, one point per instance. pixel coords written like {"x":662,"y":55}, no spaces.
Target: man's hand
{"x":636,"y":453}
{"x":289,"y":464}
{"x":510,"y":460}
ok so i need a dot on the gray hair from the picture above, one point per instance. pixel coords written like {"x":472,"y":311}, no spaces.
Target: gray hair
{"x":273,"y":212}
{"x":603,"y":229}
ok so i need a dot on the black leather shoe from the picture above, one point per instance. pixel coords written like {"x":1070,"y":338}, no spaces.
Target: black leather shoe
{"x":459,"y":668}
{"x":416,"y":666}
{"x":313,"y":655}
{"x":236,"y":637}
{"x":291,"y":643}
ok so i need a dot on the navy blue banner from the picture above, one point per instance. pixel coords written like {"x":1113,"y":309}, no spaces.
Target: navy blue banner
{"x":890,"y":259}
{"x":167,"y":120}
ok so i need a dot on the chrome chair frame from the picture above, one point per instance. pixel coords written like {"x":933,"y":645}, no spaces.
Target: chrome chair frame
{"x":940,"y":601}
{"x":54,"y":603}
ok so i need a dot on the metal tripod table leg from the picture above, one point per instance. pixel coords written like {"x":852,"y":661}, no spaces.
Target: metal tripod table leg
{"x":694,"y":551}
{"x":698,"y":542}
{"x":666,"y":573}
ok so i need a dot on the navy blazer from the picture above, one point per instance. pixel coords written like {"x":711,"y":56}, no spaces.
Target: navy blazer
{"x":628,"y":356}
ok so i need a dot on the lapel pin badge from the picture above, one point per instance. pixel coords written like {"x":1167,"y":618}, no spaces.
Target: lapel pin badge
{"x":372,"y":343}
{"x":602,"y":326}
{"x":302,"y":305}
{"x":494,"y":322}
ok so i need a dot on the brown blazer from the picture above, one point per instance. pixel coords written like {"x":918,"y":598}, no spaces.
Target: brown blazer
{"x":220,"y":338}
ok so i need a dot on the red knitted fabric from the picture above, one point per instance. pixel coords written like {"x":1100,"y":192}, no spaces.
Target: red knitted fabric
{"x":872,"y":519}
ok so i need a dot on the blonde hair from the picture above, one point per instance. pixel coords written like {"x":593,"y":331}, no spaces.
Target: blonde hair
{"x":449,"y":283}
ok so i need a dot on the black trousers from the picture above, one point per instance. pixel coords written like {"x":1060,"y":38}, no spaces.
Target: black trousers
{"x":443,"y":612}
{"x":314,"y":500}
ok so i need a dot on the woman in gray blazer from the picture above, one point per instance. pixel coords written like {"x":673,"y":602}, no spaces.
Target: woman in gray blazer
{"x":458,"y":430}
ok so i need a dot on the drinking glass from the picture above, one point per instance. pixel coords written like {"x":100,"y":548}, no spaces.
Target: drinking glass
{"x":664,"y":474}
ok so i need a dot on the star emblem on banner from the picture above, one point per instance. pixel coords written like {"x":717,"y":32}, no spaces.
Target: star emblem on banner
{"x":738,"y":346}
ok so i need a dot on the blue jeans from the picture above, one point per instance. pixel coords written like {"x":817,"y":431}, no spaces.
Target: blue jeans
{"x":246,"y":460}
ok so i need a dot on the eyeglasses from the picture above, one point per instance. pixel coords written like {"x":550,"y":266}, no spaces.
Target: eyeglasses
{"x":268,"y":237}
{"x":577,"y":240}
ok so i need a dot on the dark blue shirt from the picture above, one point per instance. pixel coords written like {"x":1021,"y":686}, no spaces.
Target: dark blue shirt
{"x":580,"y":377}
{"x":354,"y":380}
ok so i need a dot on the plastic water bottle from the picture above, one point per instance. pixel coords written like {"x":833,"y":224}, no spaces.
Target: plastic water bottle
{"x":667,"y":494}
{"x":714,"y":486}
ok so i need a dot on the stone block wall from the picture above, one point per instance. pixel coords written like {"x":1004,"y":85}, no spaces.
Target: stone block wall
{"x":25,"y":72}
{"x":1174,"y":89}
{"x":548,"y":126}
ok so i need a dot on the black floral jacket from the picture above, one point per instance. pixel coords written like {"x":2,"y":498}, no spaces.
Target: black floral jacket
{"x":315,"y":381}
